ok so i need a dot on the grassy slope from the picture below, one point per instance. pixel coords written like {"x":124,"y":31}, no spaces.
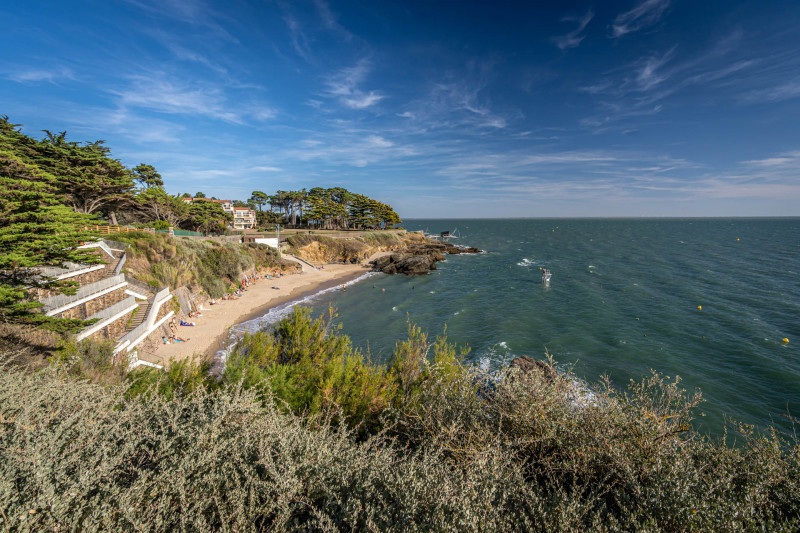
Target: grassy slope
{"x":160,"y":260}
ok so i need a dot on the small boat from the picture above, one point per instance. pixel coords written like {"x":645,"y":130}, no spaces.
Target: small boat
{"x":546,"y":274}
{"x":442,"y":236}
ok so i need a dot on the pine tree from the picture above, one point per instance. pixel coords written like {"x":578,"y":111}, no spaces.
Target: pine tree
{"x":36,"y":230}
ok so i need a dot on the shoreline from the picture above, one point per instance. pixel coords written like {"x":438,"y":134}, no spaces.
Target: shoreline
{"x":219,"y":342}
{"x":213,"y":328}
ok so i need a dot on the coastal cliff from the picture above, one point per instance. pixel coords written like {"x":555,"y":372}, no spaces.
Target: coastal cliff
{"x":410,"y":253}
{"x":318,"y":248}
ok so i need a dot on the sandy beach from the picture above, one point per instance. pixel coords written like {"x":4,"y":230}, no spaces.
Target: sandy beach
{"x":206,"y":337}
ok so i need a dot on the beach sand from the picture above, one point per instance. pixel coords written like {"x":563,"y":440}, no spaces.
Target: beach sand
{"x":213,"y":327}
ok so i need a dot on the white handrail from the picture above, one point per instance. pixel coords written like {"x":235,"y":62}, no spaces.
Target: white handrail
{"x":62,"y":302}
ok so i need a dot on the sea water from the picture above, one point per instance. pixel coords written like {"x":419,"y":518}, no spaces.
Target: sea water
{"x":709,"y":300}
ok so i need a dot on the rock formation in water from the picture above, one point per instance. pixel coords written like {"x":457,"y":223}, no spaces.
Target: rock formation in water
{"x":418,"y":259}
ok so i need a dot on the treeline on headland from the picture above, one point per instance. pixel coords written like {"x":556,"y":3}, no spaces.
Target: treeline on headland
{"x":84,"y":177}
{"x":332,"y":208}
{"x":302,"y":432}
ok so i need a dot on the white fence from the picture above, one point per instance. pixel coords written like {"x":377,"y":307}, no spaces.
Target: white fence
{"x":61,"y":302}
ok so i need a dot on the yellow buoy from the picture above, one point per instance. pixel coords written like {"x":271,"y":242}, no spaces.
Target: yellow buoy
{"x":700,"y":307}
{"x":737,"y":238}
{"x":785,"y":340}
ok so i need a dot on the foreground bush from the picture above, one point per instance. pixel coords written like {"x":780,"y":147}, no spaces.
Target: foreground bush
{"x":303,"y":433}
{"x":75,"y":456}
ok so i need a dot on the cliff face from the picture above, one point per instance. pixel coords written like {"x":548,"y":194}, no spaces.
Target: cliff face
{"x":323,"y":249}
{"x":411,"y":253}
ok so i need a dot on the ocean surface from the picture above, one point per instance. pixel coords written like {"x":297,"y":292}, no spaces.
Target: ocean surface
{"x":624,"y":298}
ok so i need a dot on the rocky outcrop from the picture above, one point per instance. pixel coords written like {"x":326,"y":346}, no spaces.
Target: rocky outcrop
{"x":403,"y":263}
{"x":418,"y":259}
{"x":529,"y":366}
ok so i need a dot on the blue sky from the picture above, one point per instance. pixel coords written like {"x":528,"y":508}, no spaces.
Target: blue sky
{"x":441,"y":109}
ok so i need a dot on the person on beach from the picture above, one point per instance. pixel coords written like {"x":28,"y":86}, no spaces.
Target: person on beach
{"x":184,"y":323}
{"x":175,"y":338}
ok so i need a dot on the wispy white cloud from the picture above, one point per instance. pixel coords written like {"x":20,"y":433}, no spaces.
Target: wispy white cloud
{"x":329,"y":20}
{"x":784,"y":160}
{"x":344,"y":85}
{"x":726,"y":66}
{"x":158,"y":92}
{"x":298,"y":37}
{"x":459,"y":103}
{"x":349,"y":148}
{"x":573,"y":39}
{"x":649,"y":74}
{"x":191,"y":12}
{"x":782,"y":91}
{"x":35,"y":75}
{"x":164,"y":93}
{"x":645,"y":14}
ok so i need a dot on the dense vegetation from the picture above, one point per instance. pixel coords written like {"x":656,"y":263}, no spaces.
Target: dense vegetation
{"x":333,"y":208}
{"x":302,"y":433}
{"x":216,"y":267}
{"x":85,"y":178}
{"x":37,"y":228}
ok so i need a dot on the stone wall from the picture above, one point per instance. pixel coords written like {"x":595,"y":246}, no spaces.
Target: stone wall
{"x":96,"y":305}
{"x":114,"y":330}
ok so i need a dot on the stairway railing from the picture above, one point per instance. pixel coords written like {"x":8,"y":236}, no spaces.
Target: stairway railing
{"x":61,"y":302}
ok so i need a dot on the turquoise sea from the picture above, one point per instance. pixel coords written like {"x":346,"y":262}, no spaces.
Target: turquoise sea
{"x":623,"y":299}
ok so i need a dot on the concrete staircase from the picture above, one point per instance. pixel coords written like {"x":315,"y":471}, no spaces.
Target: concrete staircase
{"x":140,"y":316}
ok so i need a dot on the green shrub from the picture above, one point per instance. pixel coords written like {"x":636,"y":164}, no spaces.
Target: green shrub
{"x":90,"y":360}
{"x":310,"y":369}
{"x":180,"y":378}
{"x":427,"y":445}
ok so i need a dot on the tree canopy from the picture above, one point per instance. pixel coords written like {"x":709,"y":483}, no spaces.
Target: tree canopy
{"x":36,"y":230}
{"x":333,"y":208}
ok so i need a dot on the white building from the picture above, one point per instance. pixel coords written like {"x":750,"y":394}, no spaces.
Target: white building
{"x":243,"y":217}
